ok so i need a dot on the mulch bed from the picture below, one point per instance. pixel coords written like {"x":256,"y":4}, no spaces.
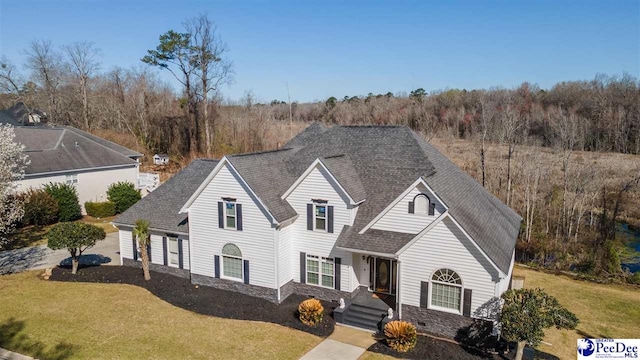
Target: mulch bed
{"x":203,"y":299}
{"x":433,"y":349}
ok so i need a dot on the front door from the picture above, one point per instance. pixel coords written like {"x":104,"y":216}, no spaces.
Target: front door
{"x":383,"y":275}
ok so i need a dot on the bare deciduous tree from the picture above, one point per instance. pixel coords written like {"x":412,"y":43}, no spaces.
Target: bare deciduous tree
{"x":83,"y":63}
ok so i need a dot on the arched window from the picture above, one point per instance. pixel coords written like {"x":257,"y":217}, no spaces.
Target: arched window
{"x":232,"y":262}
{"x":421,"y":204}
{"x":446,"y":289}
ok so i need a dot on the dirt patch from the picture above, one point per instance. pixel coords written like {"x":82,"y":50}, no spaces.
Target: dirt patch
{"x":203,"y":299}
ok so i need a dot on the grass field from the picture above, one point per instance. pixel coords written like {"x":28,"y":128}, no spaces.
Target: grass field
{"x":605,"y":311}
{"x":56,"y":320}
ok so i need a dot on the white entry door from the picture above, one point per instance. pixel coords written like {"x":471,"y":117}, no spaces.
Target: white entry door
{"x":363,"y":275}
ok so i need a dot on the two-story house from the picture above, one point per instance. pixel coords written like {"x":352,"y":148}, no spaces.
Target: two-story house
{"x":373,"y":215}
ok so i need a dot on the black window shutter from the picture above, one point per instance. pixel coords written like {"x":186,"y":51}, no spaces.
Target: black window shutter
{"x":330,"y":219}
{"x":303,"y":268}
{"x":164,"y":251}
{"x":239,"y":217}
{"x":411,"y":210}
{"x":135,"y":249}
{"x":216,"y":265}
{"x":309,"y":216}
{"x":149,"y":250}
{"x":432,"y":208}
{"x":246,"y":272}
{"x":180,"y":261}
{"x":424,"y":294}
{"x":336,"y":272}
{"x":220,"y":214}
{"x":466,"y":304}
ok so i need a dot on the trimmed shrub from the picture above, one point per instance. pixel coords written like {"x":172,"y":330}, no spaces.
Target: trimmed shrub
{"x":67,"y":197}
{"x":123,"y":194}
{"x":401,"y":335}
{"x":100,"y":209}
{"x":40,"y":208}
{"x":311,"y":312}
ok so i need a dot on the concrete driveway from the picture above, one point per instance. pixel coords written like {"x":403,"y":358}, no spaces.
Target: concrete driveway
{"x":105,"y":252}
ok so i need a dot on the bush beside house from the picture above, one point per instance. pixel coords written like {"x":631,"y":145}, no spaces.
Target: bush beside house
{"x":40,"y":208}
{"x":67,"y":198}
{"x":100,"y":209}
{"x":123,"y":194}
{"x":311,"y":312}
{"x":401,"y":335}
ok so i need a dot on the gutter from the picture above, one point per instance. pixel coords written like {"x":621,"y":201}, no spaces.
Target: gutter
{"x":80,"y":170}
{"x":118,"y":225}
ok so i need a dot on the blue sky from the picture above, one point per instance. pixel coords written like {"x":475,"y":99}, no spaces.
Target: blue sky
{"x":326,"y":48}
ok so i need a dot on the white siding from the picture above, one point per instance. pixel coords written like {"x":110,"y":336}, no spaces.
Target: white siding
{"x":126,"y":245}
{"x":91,"y":186}
{"x":318,"y":185}
{"x":504,"y":283}
{"x":398,"y":218}
{"x":445,"y":246}
{"x":157,"y":252}
{"x":256,"y":241}
{"x":285,"y":254}
{"x":185,"y":254}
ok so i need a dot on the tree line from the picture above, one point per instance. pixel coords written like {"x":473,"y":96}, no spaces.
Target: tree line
{"x":569,"y":206}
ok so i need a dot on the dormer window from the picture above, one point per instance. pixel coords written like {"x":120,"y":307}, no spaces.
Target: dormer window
{"x":421,"y":204}
{"x":229,"y":214}
{"x":321,"y":217}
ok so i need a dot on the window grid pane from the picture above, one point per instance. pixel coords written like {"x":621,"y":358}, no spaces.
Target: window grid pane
{"x":446,"y":296}
{"x":312,"y":278}
{"x":231,"y":222}
{"x":173,"y":251}
{"x":232,"y":267}
{"x":327,"y":280}
{"x":320,"y":224}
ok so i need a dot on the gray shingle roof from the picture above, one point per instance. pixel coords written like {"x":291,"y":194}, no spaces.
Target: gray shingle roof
{"x":60,"y":149}
{"x":111,"y":145}
{"x":162,"y":206}
{"x":376,"y":163}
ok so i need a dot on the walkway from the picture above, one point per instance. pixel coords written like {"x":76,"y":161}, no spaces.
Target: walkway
{"x":345,"y":343}
{"x":106,"y":251}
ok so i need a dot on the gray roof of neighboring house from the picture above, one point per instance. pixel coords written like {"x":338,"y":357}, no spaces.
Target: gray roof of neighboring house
{"x":61,"y":149}
{"x":111,"y":145}
{"x":162,"y":206}
{"x":378,"y":163}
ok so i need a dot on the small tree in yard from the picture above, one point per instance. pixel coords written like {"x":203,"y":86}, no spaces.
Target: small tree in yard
{"x":12,"y":164}
{"x":526,"y":313}
{"x":124,"y":195}
{"x":75,"y":237}
{"x":67,"y":197}
{"x":141,"y":232}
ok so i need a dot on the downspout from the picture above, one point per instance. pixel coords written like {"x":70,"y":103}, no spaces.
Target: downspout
{"x":276,"y":262}
{"x":398,"y":291}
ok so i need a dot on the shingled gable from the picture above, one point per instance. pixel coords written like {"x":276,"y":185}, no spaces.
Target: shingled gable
{"x":378,"y":163}
{"x":162,"y":206}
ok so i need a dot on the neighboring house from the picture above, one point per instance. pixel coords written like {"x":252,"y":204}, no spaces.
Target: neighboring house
{"x":343,"y":212}
{"x":160,"y":159}
{"x":64,"y":154}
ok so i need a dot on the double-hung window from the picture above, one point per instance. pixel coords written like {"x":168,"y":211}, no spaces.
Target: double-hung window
{"x":71,"y":179}
{"x":174,"y":253}
{"x":320,"y":271}
{"x":230,"y":215}
{"x":320,"y":217}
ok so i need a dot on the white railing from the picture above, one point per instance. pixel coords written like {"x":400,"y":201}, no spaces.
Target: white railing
{"x":148,"y":181}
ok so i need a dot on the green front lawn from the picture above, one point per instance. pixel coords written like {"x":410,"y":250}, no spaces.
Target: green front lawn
{"x":49,"y":319}
{"x":605,"y":311}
